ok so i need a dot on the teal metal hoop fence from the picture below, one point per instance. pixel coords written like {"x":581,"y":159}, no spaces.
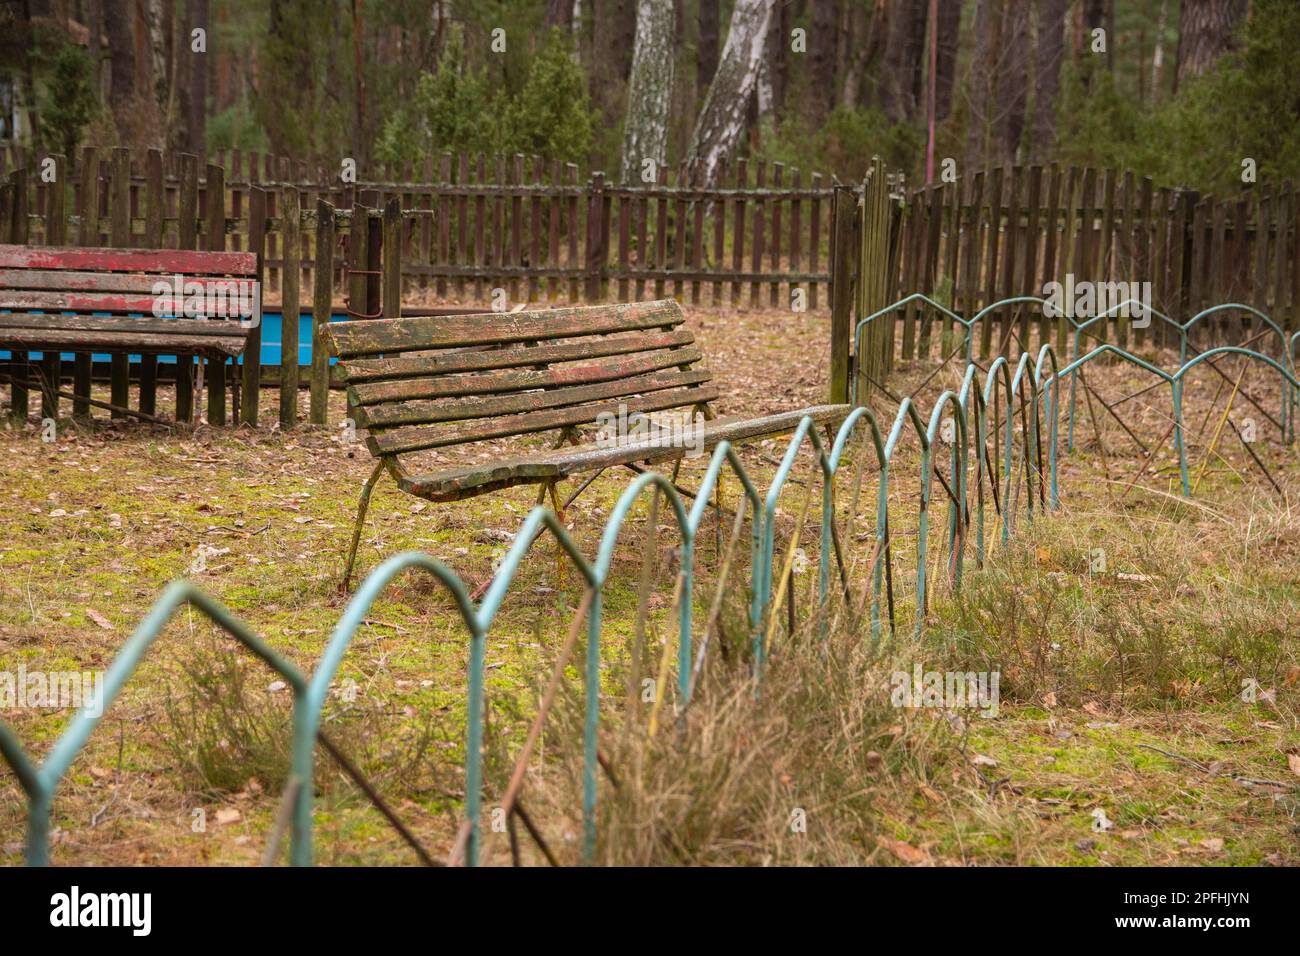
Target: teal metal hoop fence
{"x":983,"y":412}
{"x":1080,"y":330}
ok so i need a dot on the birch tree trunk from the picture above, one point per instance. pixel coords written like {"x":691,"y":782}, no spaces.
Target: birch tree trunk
{"x":721,"y":122}
{"x":1158,"y":54}
{"x":649,"y":91}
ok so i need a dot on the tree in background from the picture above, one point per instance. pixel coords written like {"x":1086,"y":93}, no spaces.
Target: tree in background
{"x":722,"y":119}
{"x":1048,"y":51}
{"x":69,"y":99}
{"x":649,"y":90}
{"x":1205,"y":33}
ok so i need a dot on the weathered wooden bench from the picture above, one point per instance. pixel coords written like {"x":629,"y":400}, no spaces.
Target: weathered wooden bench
{"x":124,"y":302}
{"x":435,"y":382}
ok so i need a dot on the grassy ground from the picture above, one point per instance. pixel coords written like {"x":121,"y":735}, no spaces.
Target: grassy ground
{"x":1123,"y":734}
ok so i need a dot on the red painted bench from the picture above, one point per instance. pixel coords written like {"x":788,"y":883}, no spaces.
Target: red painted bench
{"x":124,"y":302}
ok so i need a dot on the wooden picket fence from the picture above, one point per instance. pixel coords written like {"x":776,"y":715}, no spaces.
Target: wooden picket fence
{"x":1007,"y":232}
{"x":484,"y":232}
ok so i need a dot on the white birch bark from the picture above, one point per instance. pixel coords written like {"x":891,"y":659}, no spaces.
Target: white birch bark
{"x":721,"y":122}
{"x":649,"y":91}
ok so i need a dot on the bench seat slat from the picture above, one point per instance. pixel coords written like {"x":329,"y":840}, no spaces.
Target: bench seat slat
{"x":414,"y":438}
{"x":421,"y":413}
{"x":58,"y":322}
{"x":422,"y":333}
{"x":454,"y":483}
{"x":409,"y":366}
{"x":121,"y":341}
{"x":79,"y":301}
{"x":494,"y":383}
{"x":107,"y":259}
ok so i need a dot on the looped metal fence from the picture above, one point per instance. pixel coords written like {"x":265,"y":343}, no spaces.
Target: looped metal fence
{"x":1029,"y":392}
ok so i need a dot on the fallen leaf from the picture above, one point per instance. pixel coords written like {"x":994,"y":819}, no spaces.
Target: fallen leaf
{"x":980,"y":760}
{"x":1049,"y":699}
{"x":228,"y":815}
{"x":1293,"y":761}
{"x":1213,"y":844}
{"x":99,"y":619}
{"x":904,"y":851}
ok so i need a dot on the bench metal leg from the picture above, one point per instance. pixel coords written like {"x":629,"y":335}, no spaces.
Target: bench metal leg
{"x":361,"y":517}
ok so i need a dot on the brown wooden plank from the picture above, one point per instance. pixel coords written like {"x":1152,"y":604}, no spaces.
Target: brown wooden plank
{"x":165,"y":261}
{"x":494,"y":383}
{"x":180,"y":329}
{"x":455,"y":483}
{"x":290,"y":303}
{"x":429,"y":332}
{"x":126,"y":343}
{"x":78,"y":301}
{"x":814,"y":236}
{"x":738,"y":229}
{"x":214,"y":221}
{"x":322,"y":309}
{"x":756,"y":253}
{"x":553,"y":209}
{"x":417,"y":437}
{"x":379,"y":369}
{"x":624,"y":244}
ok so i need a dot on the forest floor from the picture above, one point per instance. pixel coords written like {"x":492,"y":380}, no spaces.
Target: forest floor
{"x":1148,"y":649}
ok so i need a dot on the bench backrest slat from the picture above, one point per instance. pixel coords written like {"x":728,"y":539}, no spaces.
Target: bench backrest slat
{"x":479,"y":360}
{"x":389,"y":336}
{"x":106,"y":259}
{"x":513,"y":380}
{"x":431,"y":382}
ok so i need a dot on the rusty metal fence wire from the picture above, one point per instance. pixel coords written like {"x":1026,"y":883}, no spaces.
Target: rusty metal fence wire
{"x":981,"y":420}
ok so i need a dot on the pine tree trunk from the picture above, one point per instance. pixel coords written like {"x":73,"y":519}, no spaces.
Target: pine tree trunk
{"x":1047,"y":68}
{"x":1012,"y":86}
{"x":949,"y":27}
{"x":121,"y":54}
{"x":821,"y":48}
{"x":1205,"y":34}
{"x":904,"y":57}
{"x":559,"y":13}
{"x":721,"y":122}
{"x":649,"y":91}
{"x":981,"y":95}
{"x":196,"y":16}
